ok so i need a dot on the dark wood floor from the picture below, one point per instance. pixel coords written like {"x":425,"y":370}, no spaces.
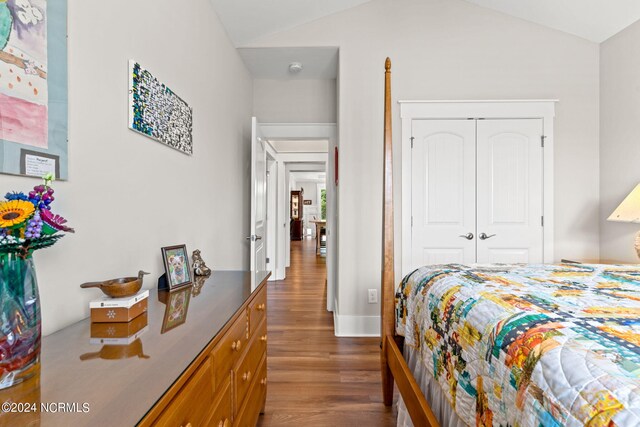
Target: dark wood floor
{"x":316,"y":379}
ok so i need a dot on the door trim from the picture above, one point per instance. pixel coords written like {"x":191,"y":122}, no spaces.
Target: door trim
{"x":489,"y":109}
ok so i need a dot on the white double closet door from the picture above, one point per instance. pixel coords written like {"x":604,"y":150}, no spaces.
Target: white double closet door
{"x":477,"y":191}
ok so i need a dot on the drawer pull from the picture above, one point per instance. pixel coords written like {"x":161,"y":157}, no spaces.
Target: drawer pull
{"x":263,"y":338}
{"x":246,"y":376}
{"x":236,"y":345}
{"x":263,"y":381}
{"x":261,"y":307}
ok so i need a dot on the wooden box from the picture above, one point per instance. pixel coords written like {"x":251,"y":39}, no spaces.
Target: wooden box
{"x":118,"y":314}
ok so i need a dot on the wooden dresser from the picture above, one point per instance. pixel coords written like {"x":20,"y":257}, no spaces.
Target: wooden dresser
{"x":209,"y":371}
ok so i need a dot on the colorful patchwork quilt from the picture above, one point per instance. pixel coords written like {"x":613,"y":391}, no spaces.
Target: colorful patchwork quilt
{"x":528,"y":345}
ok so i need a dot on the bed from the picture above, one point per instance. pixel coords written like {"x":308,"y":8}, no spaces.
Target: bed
{"x":518,"y":345}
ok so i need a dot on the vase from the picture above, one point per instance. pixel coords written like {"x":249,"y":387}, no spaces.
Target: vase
{"x":20,"y":329}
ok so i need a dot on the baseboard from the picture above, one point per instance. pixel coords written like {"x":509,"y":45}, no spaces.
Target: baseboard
{"x":356,"y":326}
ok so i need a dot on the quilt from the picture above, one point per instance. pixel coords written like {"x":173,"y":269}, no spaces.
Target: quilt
{"x":528,"y":345}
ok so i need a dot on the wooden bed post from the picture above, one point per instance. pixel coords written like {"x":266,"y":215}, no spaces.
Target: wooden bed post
{"x":388,"y":277}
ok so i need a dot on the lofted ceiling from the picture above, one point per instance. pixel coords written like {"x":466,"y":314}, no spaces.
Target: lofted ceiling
{"x":246,"y":20}
{"x":595,"y":20}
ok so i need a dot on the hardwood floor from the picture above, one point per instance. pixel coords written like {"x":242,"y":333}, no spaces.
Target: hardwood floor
{"x":315,"y":378}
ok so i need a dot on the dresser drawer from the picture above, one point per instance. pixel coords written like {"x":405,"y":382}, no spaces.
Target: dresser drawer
{"x":246,"y":371}
{"x":192,"y":404}
{"x":258,"y":309}
{"x":221,"y":415}
{"x":227,"y":352}
{"x":254,"y":404}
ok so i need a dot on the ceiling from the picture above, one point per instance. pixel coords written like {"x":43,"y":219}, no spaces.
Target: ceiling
{"x":300,"y":146}
{"x":318,"y":177}
{"x":273,"y":62}
{"x":246,"y":20}
{"x":595,"y":20}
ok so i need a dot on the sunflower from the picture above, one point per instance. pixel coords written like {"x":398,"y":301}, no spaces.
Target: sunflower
{"x":15,"y":212}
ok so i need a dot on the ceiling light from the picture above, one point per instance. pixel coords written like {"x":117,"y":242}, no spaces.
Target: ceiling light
{"x":295,"y":67}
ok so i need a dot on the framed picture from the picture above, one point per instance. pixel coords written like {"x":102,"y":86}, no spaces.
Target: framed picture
{"x":176,"y":266}
{"x":177,"y":307}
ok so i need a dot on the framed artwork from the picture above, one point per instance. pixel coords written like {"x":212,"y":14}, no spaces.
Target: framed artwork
{"x":157,"y":112}
{"x":176,"y":266}
{"x":33,"y":87}
{"x":177,"y":307}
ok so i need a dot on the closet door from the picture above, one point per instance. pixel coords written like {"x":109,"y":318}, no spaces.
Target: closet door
{"x":509,"y":203}
{"x":443,"y":192}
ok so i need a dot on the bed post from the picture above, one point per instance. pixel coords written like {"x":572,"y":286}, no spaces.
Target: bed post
{"x":388,"y":277}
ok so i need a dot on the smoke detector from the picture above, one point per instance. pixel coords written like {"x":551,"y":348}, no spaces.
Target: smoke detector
{"x":295,"y":67}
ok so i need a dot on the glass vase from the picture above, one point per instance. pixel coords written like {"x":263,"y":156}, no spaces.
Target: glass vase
{"x":20,"y":319}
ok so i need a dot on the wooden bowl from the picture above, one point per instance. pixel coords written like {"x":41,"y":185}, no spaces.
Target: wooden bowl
{"x":118,"y":288}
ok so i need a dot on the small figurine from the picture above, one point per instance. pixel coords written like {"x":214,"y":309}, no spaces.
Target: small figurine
{"x":199,"y":267}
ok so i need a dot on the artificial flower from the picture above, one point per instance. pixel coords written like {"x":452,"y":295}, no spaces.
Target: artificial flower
{"x":26,"y":223}
{"x":15,"y":212}
{"x":55,"y":223}
{"x":14,"y":195}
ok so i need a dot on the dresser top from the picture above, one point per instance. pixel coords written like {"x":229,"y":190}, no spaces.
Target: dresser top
{"x":115,"y":383}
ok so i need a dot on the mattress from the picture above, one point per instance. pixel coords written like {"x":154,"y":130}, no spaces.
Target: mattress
{"x":527,"y":345}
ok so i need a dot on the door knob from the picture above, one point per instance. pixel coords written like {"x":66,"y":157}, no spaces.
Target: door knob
{"x":253,"y":238}
{"x":483,"y":236}
{"x":468,"y":236}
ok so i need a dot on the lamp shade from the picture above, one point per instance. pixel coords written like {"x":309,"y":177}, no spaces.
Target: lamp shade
{"x":629,"y":209}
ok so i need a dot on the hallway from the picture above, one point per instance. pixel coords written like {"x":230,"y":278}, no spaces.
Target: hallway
{"x":316,"y":379}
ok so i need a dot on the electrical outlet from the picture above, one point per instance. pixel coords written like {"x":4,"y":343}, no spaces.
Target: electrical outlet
{"x":373,"y":296}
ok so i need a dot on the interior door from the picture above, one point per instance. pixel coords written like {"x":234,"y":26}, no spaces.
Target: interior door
{"x":258,"y":198}
{"x":443,"y":192}
{"x":510,"y":191}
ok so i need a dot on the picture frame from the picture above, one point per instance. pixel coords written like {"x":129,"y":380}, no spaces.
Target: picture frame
{"x":176,"y":266}
{"x":175,"y":314}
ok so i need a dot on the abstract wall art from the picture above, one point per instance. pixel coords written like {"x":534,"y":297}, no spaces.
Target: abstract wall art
{"x":33,"y":86}
{"x":157,"y":112}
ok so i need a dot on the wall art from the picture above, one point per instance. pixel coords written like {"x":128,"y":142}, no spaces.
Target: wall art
{"x":33,"y":84}
{"x":157,"y":112}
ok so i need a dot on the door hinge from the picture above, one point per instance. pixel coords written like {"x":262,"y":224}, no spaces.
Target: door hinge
{"x":542,"y":138}
{"x":267,"y":260}
{"x":412,"y":138}
{"x":542,"y":220}
{"x":411,"y":220}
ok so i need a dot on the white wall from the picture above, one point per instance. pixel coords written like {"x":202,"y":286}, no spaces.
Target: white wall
{"x":127,"y":195}
{"x":294,"y":101}
{"x":449,"y":49}
{"x":619,"y":139}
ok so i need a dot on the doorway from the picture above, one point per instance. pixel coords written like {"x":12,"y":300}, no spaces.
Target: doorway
{"x":309,"y":213}
{"x":297,"y":150}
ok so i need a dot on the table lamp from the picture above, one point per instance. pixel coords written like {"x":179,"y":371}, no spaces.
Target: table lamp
{"x":629,"y":211}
